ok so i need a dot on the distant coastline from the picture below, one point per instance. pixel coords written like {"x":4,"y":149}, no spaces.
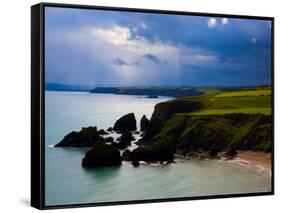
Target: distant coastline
{"x":175,"y":92}
{"x":66,"y":87}
{"x":150,"y":91}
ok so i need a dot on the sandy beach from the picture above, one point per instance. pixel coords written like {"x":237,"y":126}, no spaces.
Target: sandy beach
{"x":260,"y":161}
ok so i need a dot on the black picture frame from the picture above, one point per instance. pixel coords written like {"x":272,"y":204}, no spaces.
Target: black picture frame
{"x":38,"y":104}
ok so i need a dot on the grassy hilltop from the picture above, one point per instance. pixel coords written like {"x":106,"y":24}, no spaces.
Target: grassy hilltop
{"x":245,"y":101}
{"x":218,"y":121}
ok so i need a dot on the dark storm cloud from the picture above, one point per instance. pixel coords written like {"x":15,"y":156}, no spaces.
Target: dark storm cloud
{"x":90,"y":46}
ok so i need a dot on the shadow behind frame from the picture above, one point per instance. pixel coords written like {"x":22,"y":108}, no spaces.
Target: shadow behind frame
{"x":38,"y":105}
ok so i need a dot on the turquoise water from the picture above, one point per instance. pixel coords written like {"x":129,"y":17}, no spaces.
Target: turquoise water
{"x":68,"y":183}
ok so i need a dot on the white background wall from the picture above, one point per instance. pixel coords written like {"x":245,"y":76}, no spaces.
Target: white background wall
{"x":15,"y":105}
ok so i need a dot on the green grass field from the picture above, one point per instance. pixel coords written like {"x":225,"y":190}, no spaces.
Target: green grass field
{"x":266,"y":111}
{"x":258,"y":92}
{"x":244,"y":101}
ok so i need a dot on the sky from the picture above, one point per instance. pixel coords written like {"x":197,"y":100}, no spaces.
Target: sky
{"x":113,"y":48}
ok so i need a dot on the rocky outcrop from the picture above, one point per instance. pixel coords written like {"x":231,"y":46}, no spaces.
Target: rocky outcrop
{"x":135,"y":163}
{"x":126,"y":123}
{"x":86,"y":137}
{"x":127,"y":155}
{"x":102,"y":155}
{"x":124,"y":140}
{"x":102,"y":132}
{"x":150,"y":153}
{"x":126,"y":137}
{"x":121,"y":145}
{"x":144,"y":123}
{"x":109,"y":129}
{"x":213,"y":154}
{"x":231,"y":154}
{"x":109,"y":139}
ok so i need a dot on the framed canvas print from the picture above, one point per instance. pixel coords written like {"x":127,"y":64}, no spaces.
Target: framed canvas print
{"x":135,"y":106}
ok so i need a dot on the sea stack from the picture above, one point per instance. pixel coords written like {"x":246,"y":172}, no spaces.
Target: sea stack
{"x":102,"y":155}
{"x":126,"y":123}
{"x":144,"y":123}
{"x":86,"y":137}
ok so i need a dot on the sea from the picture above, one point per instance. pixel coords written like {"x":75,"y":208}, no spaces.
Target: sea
{"x":67,"y":182}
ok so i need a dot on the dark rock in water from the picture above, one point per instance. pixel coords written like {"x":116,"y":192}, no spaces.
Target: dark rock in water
{"x":126,"y":137}
{"x":126,"y":123}
{"x":139,"y":142}
{"x":152,"y":96}
{"x":86,"y":137}
{"x":102,"y":155}
{"x":127,"y":155}
{"x":183,"y":152}
{"x":124,"y":140}
{"x":136,"y":132}
{"x":109,"y":139}
{"x":114,"y":144}
{"x":102,"y":132}
{"x":135,"y":163}
{"x":213,"y":154}
{"x":153,"y":153}
{"x":144,"y":123}
{"x":231,"y":153}
{"x":193,"y":154}
{"x":110,"y":129}
{"x":121,"y":144}
{"x":170,"y":162}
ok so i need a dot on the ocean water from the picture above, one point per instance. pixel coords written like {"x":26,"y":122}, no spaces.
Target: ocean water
{"x":68,"y":183}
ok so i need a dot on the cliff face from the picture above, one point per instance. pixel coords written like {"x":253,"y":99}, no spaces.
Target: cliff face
{"x":172,"y":126}
{"x":220,"y":132}
{"x":164,"y":111}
